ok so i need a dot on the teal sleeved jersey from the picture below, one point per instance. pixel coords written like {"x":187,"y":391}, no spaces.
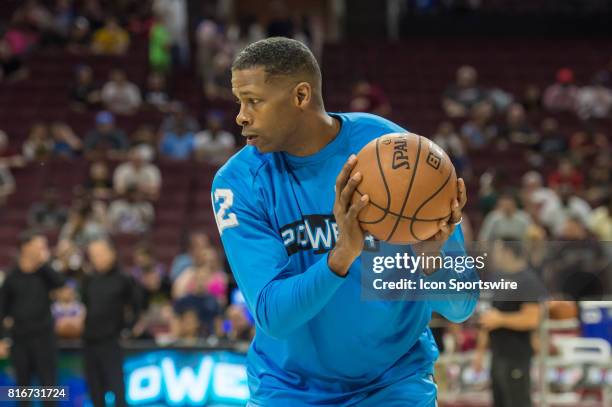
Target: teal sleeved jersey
{"x":317,"y":342}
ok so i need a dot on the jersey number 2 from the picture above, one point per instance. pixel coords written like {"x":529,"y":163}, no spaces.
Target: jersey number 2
{"x":224,"y":218}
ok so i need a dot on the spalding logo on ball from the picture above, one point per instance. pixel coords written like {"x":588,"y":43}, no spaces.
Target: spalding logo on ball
{"x":411,"y":183}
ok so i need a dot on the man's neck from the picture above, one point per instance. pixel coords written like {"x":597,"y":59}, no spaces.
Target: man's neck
{"x":315,"y":134}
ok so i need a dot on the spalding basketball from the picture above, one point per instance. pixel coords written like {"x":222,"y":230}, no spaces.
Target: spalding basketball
{"x":411,"y":183}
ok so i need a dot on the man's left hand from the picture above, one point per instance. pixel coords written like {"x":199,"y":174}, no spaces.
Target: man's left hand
{"x":433,"y":245}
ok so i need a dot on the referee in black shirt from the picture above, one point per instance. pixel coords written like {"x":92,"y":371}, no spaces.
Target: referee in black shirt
{"x":25,"y":298}
{"x":106,"y":293}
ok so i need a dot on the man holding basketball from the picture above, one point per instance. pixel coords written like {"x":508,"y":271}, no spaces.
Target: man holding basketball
{"x":283,"y":209}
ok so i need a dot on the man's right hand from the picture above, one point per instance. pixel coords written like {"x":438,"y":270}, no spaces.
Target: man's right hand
{"x":350,"y":235}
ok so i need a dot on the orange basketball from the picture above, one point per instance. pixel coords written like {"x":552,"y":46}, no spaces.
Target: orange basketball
{"x":411,"y":183}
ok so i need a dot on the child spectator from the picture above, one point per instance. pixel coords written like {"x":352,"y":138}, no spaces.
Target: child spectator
{"x":68,"y":312}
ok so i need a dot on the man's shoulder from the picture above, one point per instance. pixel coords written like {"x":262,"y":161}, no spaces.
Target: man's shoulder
{"x":243,"y":166}
{"x":364,"y":127}
{"x":358,"y":119}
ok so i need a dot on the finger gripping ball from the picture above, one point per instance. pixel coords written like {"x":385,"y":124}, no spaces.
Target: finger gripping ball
{"x":411,"y":183}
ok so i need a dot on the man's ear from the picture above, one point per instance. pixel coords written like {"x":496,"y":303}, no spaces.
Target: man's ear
{"x":303,"y":94}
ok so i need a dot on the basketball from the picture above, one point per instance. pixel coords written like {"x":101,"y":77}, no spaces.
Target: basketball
{"x":411,"y":183}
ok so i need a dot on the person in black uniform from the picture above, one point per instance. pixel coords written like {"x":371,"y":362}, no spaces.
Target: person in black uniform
{"x":508,"y":325}
{"x":106,"y":293}
{"x":25,"y":297}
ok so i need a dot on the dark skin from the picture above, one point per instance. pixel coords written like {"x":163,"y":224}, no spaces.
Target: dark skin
{"x":281,"y":113}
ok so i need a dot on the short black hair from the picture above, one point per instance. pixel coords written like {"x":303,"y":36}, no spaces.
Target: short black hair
{"x":517,"y":248}
{"x":279,"y":56}
{"x":27,"y":236}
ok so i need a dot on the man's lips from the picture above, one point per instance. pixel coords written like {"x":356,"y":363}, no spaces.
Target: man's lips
{"x":251,"y":138}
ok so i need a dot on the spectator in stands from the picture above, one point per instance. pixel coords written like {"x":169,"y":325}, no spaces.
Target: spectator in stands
{"x":175,"y":21}
{"x":68,"y":312}
{"x":105,"y":140}
{"x":79,"y":36}
{"x":107,"y":294}
{"x":130,"y":213}
{"x":178,"y":115}
{"x":82,"y":226}
{"x":280,"y":23}
{"x":156,"y":94}
{"x":600,"y":221}
{"x":214,"y":144}
{"x":582,"y":147}
{"x":449,"y":141}
{"x":160,"y":57}
{"x":39,"y":145}
{"x":33,"y":15}
{"x":595,"y":101}
{"x":480,"y":129}
{"x":66,"y":144}
{"x":119,"y":95}
{"x":532,"y":99}
{"x":217,"y":82}
{"x":599,"y":179}
{"x":63,"y":16}
{"x":516,"y":129}
{"x":208,"y":308}
{"x":151,"y":275}
{"x":606,"y":74}
{"x":208,"y":40}
{"x":178,"y":134}
{"x":111,"y":39}
{"x":203,"y":277}
{"x":84,"y":92}
{"x":49,"y":214}
{"x":99,"y":183}
{"x":505,"y":221}
{"x":551,"y":144}
{"x":145,"y":137}
{"x":239,"y":325}
{"x":139,"y":174}
{"x":566,"y":174}
{"x":11,"y":64}
{"x":197,"y":242}
{"x":189,"y":328}
{"x":94,"y":13}
{"x":570,"y":205}
{"x":576,"y":269}
{"x":536,"y":198}
{"x":508,"y":325}
{"x":369,"y":97}
{"x":561,"y":95}
{"x":487,"y":190}
{"x":25,"y":298}
{"x":7,"y":160}
{"x":461,"y":96}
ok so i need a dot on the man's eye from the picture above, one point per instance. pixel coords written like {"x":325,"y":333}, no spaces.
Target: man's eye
{"x":254,"y":101}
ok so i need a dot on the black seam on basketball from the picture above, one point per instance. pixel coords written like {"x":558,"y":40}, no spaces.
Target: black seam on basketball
{"x":416,"y":212}
{"x":395,"y":214}
{"x":416,"y":166}
{"x":382,"y":175}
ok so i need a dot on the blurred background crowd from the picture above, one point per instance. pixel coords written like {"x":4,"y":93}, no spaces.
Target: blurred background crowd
{"x":115,"y":114}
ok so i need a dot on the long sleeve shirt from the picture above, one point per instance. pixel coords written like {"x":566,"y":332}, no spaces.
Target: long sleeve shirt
{"x":316,"y":341}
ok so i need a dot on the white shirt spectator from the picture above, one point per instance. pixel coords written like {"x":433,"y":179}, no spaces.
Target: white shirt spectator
{"x":214,"y":149}
{"x":554,"y":216}
{"x":121,"y":97}
{"x":498,"y":225}
{"x":594,"y":102}
{"x":146,"y":178}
